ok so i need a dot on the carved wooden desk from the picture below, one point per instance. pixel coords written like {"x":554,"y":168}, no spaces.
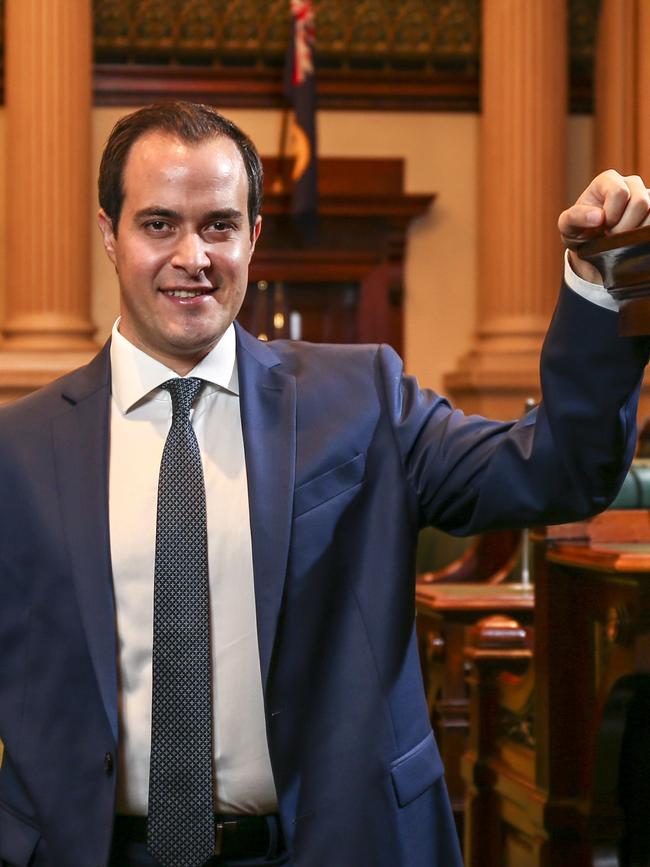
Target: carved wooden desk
{"x":445,"y":614}
{"x":578,"y":793}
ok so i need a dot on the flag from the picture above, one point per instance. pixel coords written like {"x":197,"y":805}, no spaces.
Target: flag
{"x":300,"y":91}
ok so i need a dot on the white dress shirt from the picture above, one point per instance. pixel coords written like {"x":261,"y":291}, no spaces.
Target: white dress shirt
{"x":140,"y":420}
{"x":593,"y":292}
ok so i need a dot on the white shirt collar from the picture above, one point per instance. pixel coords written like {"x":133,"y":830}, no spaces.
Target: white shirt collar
{"x":134,"y":374}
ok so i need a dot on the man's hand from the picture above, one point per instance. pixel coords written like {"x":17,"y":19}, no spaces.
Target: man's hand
{"x":610,"y":204}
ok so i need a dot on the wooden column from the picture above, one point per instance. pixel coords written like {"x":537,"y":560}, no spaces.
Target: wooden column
{"x":615,"y":139}
{"x":622,"y":95}
{"x":522,"y":167}
{"x":643,"y":91}
{"x":622,"y":88}
{"x":48,"y":66}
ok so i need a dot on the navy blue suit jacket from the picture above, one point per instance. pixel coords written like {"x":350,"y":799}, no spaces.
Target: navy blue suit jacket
{"x":346,"y":459}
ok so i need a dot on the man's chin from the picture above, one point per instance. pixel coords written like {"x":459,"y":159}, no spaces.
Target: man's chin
{"x":188,"y":340}
{"x":195,"y":347}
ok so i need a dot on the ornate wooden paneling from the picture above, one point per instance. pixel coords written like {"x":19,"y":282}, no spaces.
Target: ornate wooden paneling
{"x":390,"y":54}
{"x":378,"y":33}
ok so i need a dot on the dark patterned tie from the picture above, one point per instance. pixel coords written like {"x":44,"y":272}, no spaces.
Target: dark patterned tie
{"x":180,"y":831}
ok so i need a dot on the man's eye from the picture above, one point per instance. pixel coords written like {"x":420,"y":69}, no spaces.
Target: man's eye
{"x":219,"y":226}
{"x":157,"y":225}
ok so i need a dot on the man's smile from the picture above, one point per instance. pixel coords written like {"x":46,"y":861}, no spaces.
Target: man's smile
{"x":187,"y":292}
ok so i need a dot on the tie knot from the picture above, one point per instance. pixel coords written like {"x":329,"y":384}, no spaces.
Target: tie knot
{"x":182,"y":393}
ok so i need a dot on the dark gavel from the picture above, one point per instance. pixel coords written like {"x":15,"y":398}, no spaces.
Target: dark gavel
{"x":624,"y":264}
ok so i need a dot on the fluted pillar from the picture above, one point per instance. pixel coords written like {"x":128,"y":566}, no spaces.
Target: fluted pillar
{"x":643,"y":92}
{"x":622,"y":88}
{"x":48,"y":69}
{"x":615,"y":82}
{"x":622,"y":97}
{"x":522,"y":167}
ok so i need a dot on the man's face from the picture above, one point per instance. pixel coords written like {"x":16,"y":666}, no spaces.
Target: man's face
{"x":182,"y":245}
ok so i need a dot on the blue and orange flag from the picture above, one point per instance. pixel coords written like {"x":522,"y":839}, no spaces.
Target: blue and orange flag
{"x":300,"y":90}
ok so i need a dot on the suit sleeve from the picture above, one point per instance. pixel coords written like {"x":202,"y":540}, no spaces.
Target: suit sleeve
{"x":563,"y":461}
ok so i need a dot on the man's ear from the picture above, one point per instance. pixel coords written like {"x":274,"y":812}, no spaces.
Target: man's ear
{"x":257,"y":228}
{"x":106,"y":228}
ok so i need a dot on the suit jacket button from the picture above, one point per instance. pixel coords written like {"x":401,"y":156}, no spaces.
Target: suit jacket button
{"x":108,"y":764}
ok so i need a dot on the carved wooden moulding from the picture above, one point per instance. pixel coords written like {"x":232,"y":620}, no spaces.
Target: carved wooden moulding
{"x":388,"y":30}
{"x":624,"y":264}
{"x":381,"y":54}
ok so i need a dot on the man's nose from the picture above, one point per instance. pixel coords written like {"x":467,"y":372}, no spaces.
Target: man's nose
{"x":190,"y":254}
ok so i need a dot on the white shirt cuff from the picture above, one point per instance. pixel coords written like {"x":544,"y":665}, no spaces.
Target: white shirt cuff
{"x":591,"y":291}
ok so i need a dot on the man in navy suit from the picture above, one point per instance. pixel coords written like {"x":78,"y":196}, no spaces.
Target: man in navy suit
{"x":321,"y":463}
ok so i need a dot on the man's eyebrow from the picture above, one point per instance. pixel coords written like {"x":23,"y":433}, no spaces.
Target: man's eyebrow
{"x":155,"y":211}
{"x":224,"y":214}
{"x":218,"y":214}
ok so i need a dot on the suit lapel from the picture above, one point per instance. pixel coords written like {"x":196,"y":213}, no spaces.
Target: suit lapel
{"x":268,"y":409}
{"x":81,"y":454}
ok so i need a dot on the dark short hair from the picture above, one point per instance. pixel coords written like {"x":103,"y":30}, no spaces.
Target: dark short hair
{"x":190,"y":121}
